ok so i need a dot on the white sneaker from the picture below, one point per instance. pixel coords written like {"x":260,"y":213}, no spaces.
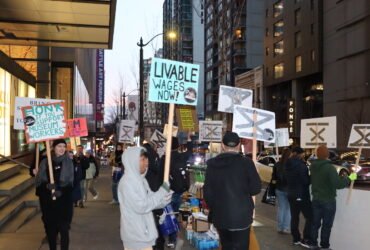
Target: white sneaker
{"x":96,"y":196}
{"x":113,"y":202}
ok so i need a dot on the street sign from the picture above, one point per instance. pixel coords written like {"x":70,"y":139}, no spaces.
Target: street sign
{"x":25,"y":102}
{"x":126,"y":131}
{"x":210,"y":131}
{"x":160,"y":141}
{"x":173,"y":82}
{"x":230,"y":96}
{"x":281,"y":140}
{"x":244,"y":124}
{"x":77,"y":127}
{"x":360,"y":136}
{"x":319,"y":131}
{"x":187,"y":119}
{"x":45,"y":122}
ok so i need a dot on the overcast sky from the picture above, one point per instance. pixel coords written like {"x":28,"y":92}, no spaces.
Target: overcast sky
{"x":134,"y":18}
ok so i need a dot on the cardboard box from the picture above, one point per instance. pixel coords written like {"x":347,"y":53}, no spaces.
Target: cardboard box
{"x":200,"y":225}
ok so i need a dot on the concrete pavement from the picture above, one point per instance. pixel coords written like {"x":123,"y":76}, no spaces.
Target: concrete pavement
{"x":96,"y":227}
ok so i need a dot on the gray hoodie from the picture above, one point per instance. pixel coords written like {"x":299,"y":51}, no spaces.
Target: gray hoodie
{"x":138,"y":229}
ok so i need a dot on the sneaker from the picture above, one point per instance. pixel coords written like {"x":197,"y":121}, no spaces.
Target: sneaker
{"x":171,"y":245}
{"x":286,"y":232}
{"x":96,"y":196}
{"x":296,"y":243}
{"x":306,"y":244}
{"x":82,"y":205}
{"x":113,"y":202}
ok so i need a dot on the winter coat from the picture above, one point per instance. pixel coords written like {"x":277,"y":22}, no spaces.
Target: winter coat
{"x":138,"y":229}
{"x":83,"y":163}
{"x":231,"y":181}
{"x":298,"y":179}
{"x":93,"y":171}
{"x":278,"y":175}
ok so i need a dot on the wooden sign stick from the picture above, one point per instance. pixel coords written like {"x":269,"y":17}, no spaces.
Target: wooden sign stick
{"x":169,"y":143}
{"x":50,"y":167}
{"x":254,"y":145}
{"x":352,"y":182}
{"x":277,"y":151}
{"x":37,"y":157}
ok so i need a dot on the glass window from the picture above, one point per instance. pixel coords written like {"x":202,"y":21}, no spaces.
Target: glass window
{"x":298,"y":39}
{"x":279,"y":28}
{"x":279,"y":70}
{"x":313,"y":55}
{"x":267,"y":51}
{"x":298,"y":17}
{"x":278,"y":8}
{"x":298,"y":63}
{"x":267,"y":32}
{"x":279,"y":48}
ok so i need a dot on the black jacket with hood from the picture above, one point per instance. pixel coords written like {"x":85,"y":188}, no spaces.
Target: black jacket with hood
{"x":298,"y":179}
{"x":231,"y":181}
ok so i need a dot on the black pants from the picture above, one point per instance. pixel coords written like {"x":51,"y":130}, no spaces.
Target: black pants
{"x":296,"y":208}
{"x":235,"y":240}
{"x":52,"y":232}
{"x":325,"y":212}
{"x":160,"y":242}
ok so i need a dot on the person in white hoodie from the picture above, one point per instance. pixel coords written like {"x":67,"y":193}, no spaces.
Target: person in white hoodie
{"x":137,"y":201}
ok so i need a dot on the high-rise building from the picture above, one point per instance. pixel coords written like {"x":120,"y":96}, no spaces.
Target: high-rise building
{"x":233,"y":45}
{"x":293,"y":61}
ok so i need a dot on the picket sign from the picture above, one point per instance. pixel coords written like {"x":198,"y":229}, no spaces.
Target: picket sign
{"x":357,"y":139}
{"x":319,"y":131}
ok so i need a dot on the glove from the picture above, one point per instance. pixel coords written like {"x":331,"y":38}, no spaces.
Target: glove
{"x":353,"y":176}
{"x":50,"y":186}
{"x":162,"y":218}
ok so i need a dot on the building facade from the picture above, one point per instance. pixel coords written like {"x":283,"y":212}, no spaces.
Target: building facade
{"x":293,"y":61}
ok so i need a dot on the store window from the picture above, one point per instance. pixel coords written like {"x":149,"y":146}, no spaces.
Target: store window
{"x":279,"y":28}
{"x":279,"y":70}
{"x":298,"y":63}
{"x":278,"y":8}
{"x":298,"y":39}
{"x":279,"y":48}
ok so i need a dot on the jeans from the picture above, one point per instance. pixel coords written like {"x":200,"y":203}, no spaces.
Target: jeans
{"x":283,"y":211}
{"x":323,"y":212}
{"x":297,"y":207}
{"x":90,"y":186}
{"x":115,"y":190}
{"x":83,"y":190}
{"x":235,"y":240}
{"x":176,"y":203}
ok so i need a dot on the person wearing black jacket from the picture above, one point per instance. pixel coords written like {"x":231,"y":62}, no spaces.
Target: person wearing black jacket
{"x":298,"y":182}
{"x":82,"y":162}
{"x":279,"y":180}
{"x":230,"y":183}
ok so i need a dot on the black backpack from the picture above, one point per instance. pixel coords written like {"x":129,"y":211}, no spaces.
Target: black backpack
{"x":179,"y":174}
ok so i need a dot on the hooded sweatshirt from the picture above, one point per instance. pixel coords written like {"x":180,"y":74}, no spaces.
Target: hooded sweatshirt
{"x":325,"y":181}
{"x":298,"y":179}
{"x":138,"y":229}
{"x":231,"y":181}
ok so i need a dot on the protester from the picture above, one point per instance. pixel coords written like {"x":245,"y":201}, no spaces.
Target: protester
{"x":179,"y":177}
{"x":117,"y":171}
{"x":231,"y":181}
{"x":137,"y":201}
{"x":56,"y":214}
{"x":76,"y":193}
{"x":83,"y":164}
{"x":298,"y":182}
{"x":325,"y":182}
{"x":279,"y":180}
{"x":91,"y":174}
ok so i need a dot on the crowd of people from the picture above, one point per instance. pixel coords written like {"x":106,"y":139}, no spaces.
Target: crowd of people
{"x":231,"y":182}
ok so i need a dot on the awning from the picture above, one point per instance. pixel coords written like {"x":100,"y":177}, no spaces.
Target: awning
{"x":58,"y":23}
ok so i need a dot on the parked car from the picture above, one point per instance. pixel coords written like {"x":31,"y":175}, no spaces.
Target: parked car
{"x":341,"y":167}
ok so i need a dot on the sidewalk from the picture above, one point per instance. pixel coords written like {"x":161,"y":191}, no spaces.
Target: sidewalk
{"x":96,"y":227}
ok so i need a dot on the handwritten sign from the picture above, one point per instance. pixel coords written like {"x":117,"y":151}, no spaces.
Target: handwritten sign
{"x":77,"y":127}
{"x":319,"y":131}
{"x":175,"y":130}
{"x":173,"y":82}
{"x":230,"y":96}
{"x":282,"y":138}
{"x":45,"y":122}
{"x":126,"y":131}
{"x":160,"y":141}
{"x":243,"y":123}
{"x":187,"y":119}
{"x":360,"y":136}
{"x":210,"y":131}
{"x":25,"y":102}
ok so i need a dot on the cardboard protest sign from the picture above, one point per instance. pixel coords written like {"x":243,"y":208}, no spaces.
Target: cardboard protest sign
{"x":126,"y":131}
{"x":230,"y":96}
{"x":25,"y":102}
{"x":175,"y":130}
{"x":45,"y":122}
{"x":77,"y":127}
{"x":281,"y":140}
{"x":210,"y":131}
{"x":187,"y":119}
{"x":160,"y":141}
{"x":173,"y":82}
{"x":360,"y":136}
{"x":263,"y":129}
{"x":319,"y":131}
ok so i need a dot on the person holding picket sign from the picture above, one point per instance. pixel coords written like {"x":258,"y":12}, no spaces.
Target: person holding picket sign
{"x":56,"y":213}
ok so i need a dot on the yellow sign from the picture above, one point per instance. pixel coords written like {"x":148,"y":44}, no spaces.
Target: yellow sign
{"x":187,"y":119}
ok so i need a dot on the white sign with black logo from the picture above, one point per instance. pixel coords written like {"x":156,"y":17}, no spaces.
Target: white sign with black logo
{"x":281,"y":140}
{"x":360,"y":136}
{"x":160,"y":141}
{"x":231,"y":96}
{"x":210,"y":131}
{"x":127,"y":131}
{"x":319,"y":131}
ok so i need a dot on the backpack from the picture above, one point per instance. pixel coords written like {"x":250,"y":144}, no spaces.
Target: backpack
{"x":179,"y":174}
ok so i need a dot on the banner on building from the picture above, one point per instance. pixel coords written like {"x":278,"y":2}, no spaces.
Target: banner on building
{"x":360,"y":136}
{"x":244,"y":124}
{"x":210,"y":131}
{"x":160,"y":142}
{"x":100,"y":77}
{"x":126,"y":131}
{"x":230,"y":96}
{"x":77,"y":127}
{"x":281,"y":140}
{"x":173,"y":82}
{"x":319,"y":131}
{"x":45,"y":122}
{"x":133,"y":108}
{"x":26,"y":102}
{"x":187,"y":119}
{"x":175,"y":130}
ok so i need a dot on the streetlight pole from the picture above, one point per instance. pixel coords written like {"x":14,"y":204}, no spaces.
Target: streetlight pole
{"x":141,"y":91}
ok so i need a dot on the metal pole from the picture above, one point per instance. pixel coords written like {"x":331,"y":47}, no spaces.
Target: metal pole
{"x":141,"y":110}
{"x":124,"y":105}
